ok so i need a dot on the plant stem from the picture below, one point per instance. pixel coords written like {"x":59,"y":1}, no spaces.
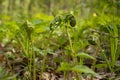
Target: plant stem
{"x":72,"y":51}
{"x":65,"y":75}
{"x":31,"y":61}
{"x":79,"y":76}
{"x":9,"y":65}
{"x":71,"y":46}
{"x":34,"y":64}
{"x":43,"y":66}
{"x":94,"y":61}
{"x":70,"y":41}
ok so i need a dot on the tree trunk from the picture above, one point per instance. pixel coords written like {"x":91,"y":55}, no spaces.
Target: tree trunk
{"x":31,"y":4}
{"x":1,"y":6}
{"x":11,"y":7}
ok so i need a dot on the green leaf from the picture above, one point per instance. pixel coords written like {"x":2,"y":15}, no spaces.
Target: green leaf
{"x":65,"y":67}
{"x":28,"y":27}
{"x":83,"y":69}
{"x":101,"y":65}
{"x":84,"y":55}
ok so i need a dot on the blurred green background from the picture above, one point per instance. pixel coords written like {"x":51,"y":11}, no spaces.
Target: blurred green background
{"x":84,"y":8}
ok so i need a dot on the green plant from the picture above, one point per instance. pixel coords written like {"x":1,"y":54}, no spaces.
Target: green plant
{"x":67,"y":67}
{"x":112,"y":29}
{"x":25,"y":38}
{"x":108,"y":30}
{"x":68,"y":21}
{"x":113,"y":36}
{"x":5,"y":76}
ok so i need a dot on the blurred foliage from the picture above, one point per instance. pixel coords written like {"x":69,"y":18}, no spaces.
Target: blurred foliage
{"x":92,"y":21}
{"x":5,"y":75}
